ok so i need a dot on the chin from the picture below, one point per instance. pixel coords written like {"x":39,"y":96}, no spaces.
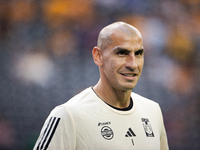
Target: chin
{"x":128,"y":87}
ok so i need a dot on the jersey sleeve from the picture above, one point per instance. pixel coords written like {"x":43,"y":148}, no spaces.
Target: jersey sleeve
{"x":58,"y":131}
{"x":163,"y":135}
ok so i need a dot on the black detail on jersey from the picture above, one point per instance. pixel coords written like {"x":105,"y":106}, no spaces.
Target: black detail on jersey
{"x":132,"y":141}
{"x":104,"y":123}
{"x":121,"y":109}
{"x":107,"y":133}
{"x":147,"y":127}
{"x":130,"y":133}
{"x":124,"y":109}
{"x":48,"y":133}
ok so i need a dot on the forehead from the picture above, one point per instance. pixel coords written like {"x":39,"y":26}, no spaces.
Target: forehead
{"x":123,"y":40}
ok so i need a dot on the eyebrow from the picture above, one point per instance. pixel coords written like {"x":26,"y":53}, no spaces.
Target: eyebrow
{"x":140,"y":50}
{"x":119,"y":49}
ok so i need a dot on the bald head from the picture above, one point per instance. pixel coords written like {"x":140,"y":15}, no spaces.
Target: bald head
{"x":113,"y":30}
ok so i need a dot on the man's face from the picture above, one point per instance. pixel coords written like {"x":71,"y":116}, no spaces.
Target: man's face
{"x":123,"y":62}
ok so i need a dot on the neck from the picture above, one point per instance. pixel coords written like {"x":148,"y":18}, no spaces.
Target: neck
{"x":116,"y":98}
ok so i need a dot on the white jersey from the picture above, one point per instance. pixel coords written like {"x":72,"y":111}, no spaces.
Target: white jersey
{"x":86,"y":122}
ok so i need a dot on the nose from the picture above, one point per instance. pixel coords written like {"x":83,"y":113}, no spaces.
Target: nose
{"x":131,"y":62}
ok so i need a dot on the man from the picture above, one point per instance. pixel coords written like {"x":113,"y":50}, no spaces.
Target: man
{"x":109,"y":116}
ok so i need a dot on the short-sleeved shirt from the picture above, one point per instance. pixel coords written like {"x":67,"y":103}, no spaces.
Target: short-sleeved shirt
{"x":86,"y":122}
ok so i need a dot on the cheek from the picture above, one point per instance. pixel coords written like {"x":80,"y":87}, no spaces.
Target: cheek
{"x":141,"y":64}
{"x":112,"y":66}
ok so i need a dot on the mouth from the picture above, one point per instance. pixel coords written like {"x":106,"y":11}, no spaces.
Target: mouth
{"x":128,"y":74}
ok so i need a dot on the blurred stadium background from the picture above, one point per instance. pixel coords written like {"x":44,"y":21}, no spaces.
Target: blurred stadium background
{"x":45,"y":59}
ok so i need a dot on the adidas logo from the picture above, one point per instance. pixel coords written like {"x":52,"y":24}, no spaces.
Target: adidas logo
{"x":130,"y":133}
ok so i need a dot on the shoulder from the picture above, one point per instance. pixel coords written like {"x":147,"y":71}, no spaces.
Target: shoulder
{"x":140,"y":100}
{"x":81,"y":101}
{"x":84,"y":97}
{"x":147,"y":106}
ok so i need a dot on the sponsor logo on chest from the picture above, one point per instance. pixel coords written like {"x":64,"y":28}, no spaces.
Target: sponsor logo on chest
{"x":108,"y":133}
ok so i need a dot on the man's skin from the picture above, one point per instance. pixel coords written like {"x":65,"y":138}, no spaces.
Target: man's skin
{"x":120,"y":57}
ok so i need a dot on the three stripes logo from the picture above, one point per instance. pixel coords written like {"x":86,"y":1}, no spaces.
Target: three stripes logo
{"x":130,"y":133}
{"x":48,"y":133}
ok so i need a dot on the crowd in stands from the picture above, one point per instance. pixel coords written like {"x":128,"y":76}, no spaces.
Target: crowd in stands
{"x":45,"y":59}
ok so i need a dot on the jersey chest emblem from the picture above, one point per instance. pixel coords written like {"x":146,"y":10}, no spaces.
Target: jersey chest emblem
{"x":147,"y":127}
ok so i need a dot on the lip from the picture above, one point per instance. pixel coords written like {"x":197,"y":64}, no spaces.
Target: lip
{"x":129,"y":76}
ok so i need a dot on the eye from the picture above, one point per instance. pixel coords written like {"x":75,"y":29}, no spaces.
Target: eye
{"x":139,"y":52}
{"x":122,"y":52}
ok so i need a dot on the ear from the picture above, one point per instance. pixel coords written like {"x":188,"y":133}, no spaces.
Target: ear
{"x":97,"y":56}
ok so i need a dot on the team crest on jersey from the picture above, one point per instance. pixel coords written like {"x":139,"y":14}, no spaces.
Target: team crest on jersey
{"x":107,"y":133}
{"x":147,"y":127}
